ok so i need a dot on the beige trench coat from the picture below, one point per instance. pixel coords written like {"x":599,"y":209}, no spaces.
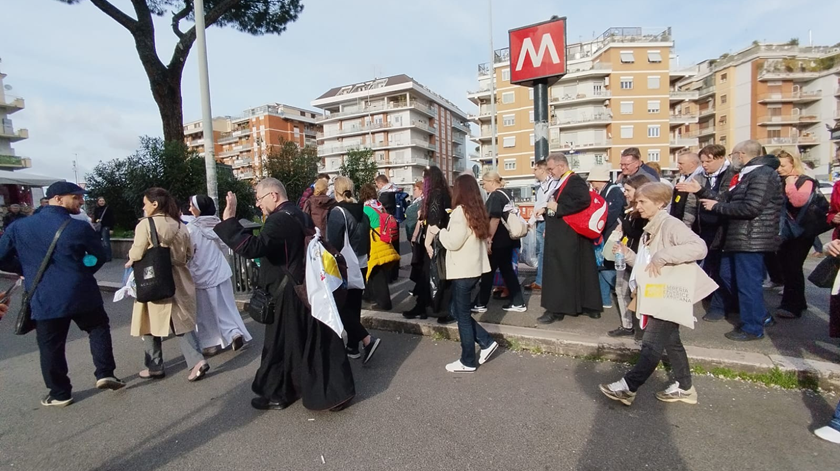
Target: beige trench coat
{"x":154,"y":318}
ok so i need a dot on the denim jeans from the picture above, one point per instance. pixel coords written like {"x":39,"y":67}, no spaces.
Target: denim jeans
{"x":469,"y":330}
{"x":835,"y":421}
{"x":52,"y":338}
{"x":607,"y":279}
{"x":741,"y":275}
{"x":660,"y":336}
{"x":623,"y":297}
{"x":154,"y":354}
{"x":105,"y":233}
{"x":540,"y":247}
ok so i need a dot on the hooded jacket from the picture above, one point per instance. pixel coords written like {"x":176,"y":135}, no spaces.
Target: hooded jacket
{"x":209,"y":266}
{"x":317,"y":207}
{"x":751,"y":209}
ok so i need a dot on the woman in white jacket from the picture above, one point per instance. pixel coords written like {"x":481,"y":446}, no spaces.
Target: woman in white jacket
{"x":219,"y":321}
{"x":465,"y":241}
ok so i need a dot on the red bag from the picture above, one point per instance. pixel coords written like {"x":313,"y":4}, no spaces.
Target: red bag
{"x":389,"y":230}
{"x":591,"y":221}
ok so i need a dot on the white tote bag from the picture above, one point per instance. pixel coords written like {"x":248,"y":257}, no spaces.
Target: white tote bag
{"x":354,"y":271}
{"x":513,"y":222}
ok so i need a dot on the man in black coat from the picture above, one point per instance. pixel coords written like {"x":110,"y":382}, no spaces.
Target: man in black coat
{"x":103,"y":220}
{"x":570,"y":273}
{"x":683,"y":203}
{"x":301,"y":357}
{"x":751,"y":207}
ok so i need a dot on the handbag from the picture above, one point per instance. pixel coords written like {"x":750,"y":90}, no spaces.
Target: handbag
{"x":513,"y":221}
{"x":825,"y":272}
{"x":24,"y":323}
{"x":97,"y":226}
{"x":153,"y":274}
{"x":439,"y":256}
{"x":261,"y":306}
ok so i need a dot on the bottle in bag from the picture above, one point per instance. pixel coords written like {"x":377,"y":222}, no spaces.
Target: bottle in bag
{"x":620,"y":263}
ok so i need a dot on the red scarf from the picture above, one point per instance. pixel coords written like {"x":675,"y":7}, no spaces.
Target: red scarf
{"x":735,"y":180}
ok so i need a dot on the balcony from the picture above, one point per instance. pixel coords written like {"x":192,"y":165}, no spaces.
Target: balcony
{"x":794,"y":120}
{"x":241,"y":131}
{"x":245,"y":175}
{"x":557,"y":144}
{"x":380,"y":107}
{"x":791,"y":97}
{"x":707,"y":131}
{"x":405,"y":161}
{"x":227,"y":138}
{"x":767,"y":74}
{"x":597,"y":119}
{"x":377,"y":127}
{"x":581,"y":98}
{"x":458,"y":139}
{"x":239,"y":163}
{"x":598,"y":69}
{"x":789,"y":141}
{"x":13,"y":162}
{"x":710,"y":111}
{"x":483,"y":114}
{"x":13,"y":136}
{"x":475,"y":96}
{"x":461,"y":127}
{"x":677,"y":95}
{"x":705,"y":92}
{"x":683,"y":118}
{"x":228,"y":153}
{"x":680,"y":141}
{"x":339,"y":149}
{"x":12,"y":104}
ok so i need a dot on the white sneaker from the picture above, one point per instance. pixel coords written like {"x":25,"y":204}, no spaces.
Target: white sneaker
{"x":515,"y":308}
{"x":485,"y":353}
{"x":618,"y":391}
{"x":478,"y":309}
{"x":458,"y":367}
{"x":674,"y":394}
{"x":828,"y":434}
{"x":770,"y":285}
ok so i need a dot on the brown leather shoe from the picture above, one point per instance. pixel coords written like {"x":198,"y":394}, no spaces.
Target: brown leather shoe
{"x":533,"y":287}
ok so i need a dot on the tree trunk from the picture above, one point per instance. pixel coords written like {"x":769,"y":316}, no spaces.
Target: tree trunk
{"x":166,"y":90}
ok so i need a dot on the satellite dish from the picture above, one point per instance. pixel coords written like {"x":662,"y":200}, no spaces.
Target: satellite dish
{"x":7,"y":87}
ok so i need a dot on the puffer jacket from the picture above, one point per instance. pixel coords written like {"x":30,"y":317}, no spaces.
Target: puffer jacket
{"x":751,"y":209}
{"x":381,"y":253}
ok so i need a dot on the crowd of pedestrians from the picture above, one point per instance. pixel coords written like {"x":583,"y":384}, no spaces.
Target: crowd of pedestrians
{"x":731,"y":218}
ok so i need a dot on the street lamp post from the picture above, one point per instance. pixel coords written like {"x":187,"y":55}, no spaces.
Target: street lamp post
{"x":206,"y":113}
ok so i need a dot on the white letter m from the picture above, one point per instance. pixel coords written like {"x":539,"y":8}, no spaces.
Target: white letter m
{"x":528,"y":48}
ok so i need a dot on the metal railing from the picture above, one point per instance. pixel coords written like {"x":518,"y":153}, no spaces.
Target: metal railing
{"x":381,"y":106}
{"x":599,"y":117}
{"x":801,"y":95}
{"x":686,"y":95}
{"x":768,"y":119}
{"x":582,"y":96}
{"x":790,"y":141}
{"x":246,"y":273}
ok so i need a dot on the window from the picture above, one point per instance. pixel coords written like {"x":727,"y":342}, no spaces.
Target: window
{"x":626,"y":107}
{"x":506,"y":75}
{"x":507,"y":97}
{"x":774,"y":133}
{"x":723,"y":140}
{"x":508,"y":120}
{"x":599,"y":159}
{"x":627,"y":57}
{"x":653,"y":130}
{"x":774,"y":110}
{"x":722,"y":119}
{"x":532,"y":139}
{"x":723,"y":78}
{"x":626,"y":83}
{"x":723,"y":99}
{"x":531,"y":115}
{"x":627,"y":132}
{"x":654,"y":57}
{"x":510,"y":164}
{"x":653,"y":82}
{"x":598,"y":89}
{"x":509,"y":141}
{"x":531,"y":93}
{"x":653,"y":106}
{"x":653,"y":155}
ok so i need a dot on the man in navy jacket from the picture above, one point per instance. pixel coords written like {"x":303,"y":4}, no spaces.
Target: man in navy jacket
{"x":67,"y":291}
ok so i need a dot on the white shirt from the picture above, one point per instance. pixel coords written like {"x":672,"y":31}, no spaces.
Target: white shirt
{"x":545,"y":189}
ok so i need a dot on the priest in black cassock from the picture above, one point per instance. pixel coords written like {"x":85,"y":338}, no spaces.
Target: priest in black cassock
{"x":301,"y":357}
{"x":570,"y":273}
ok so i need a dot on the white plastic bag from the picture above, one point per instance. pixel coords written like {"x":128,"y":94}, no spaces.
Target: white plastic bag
{"x":354,"y":271}
{"x":528,"y":253}
{"x":322,"y":278}
{"x":129,"y":287}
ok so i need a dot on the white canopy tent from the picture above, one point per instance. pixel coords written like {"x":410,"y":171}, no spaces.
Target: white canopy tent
{"x":26,"y":179}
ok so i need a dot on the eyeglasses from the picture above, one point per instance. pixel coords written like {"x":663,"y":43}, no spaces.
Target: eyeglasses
{"x":259,"y":199}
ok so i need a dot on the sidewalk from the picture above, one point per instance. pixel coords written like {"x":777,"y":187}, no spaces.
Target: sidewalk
{"x":802,"y":345}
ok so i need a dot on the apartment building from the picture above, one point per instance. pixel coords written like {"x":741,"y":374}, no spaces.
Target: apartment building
{"x":406,"y":125}
{"x":244,"y":142}
{"x":618,"y":93}
{"x":783,"y":95}
{"x":10,"y":104}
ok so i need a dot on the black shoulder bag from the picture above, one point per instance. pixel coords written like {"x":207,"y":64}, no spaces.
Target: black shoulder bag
{"x":24,"y":323}
{"x":153,"y":274}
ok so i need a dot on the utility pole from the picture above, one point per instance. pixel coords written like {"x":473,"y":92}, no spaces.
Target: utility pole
{"x":75,"y":169}
{"x":492,"y":89}
{"x":206,"y":113}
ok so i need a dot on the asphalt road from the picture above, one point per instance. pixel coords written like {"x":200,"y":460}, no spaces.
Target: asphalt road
{"x":517,"y":412}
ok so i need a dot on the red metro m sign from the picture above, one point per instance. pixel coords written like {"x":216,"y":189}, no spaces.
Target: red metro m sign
{"x":538,"y":52}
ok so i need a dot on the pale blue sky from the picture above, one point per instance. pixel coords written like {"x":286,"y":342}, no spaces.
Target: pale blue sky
{"x":86,"y":92}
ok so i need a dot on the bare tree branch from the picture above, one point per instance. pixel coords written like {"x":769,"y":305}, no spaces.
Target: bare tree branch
{"x":182,"y":49}
{"x":177,"y":17}
{"x":126,"y":21}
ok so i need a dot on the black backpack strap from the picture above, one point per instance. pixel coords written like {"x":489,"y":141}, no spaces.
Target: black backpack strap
{"x":48,"y":256}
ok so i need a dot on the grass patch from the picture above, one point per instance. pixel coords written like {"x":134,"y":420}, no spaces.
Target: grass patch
{"x":537,"y":350}
{"x":438,"y":336}
{"x":514,"y":345}
{"x":774,"y":377}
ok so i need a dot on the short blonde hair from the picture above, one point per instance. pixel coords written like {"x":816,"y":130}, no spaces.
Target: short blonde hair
{"x":493,"y":176}
{"x":657,"y":192}
{"x":321,"y":187}
{"x":344,"y":186}
{"x":795,"y":160}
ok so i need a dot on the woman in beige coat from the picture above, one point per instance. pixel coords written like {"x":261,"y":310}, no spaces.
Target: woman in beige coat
{"x":665,"y":241}
{"x":153,"y":320}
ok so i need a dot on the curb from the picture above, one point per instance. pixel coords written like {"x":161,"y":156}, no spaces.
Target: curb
{"x":825,"y":374}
